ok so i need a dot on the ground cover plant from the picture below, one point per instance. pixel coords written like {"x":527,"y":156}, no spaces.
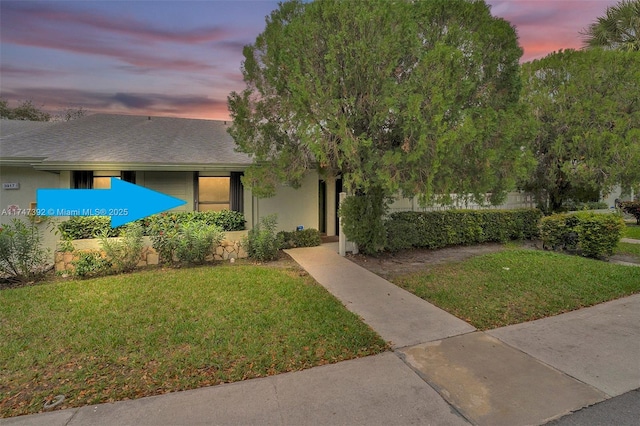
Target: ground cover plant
{"x":152,"y":332}
{"x":517,"y":285}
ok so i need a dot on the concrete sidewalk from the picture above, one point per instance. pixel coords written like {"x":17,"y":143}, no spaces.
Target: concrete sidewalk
{"x":442,"y":371}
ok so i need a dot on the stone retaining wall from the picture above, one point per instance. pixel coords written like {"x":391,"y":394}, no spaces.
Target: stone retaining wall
{"x":229,"y":248}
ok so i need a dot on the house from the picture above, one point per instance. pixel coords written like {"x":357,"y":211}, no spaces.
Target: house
{"x":194,"y":160}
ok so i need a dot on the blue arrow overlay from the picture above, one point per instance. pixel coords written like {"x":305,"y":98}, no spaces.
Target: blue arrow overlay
{"x":124,"y":202}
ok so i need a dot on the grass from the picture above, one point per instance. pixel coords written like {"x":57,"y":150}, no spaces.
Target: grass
{"x":629,"y":249}
{"x":632,"y":231}
{"x":158,"y":331}
{"x":518,"y":285}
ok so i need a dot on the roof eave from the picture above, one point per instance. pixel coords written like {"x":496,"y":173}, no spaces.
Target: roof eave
{"x":159,"y":167}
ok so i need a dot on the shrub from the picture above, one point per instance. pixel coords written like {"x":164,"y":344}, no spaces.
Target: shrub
{"x":82,"y":227}
{"x":363,"y":220}
{"x":123,"y":255}
{"x":262,"y":242}
{"x":632,"y":208}
{"x":194,"y":242}
{"x":598,"y":234}
{"x":571,"y":205}
{"x":22,"y":257}
{"x":459,"y":227}
{"x":557,"y":232}
{"x":91,"y":264}
{"x":303,"y":238}
{"x":226,"y":220}
{"x":187,"y":242}
{"x":594,"y":235}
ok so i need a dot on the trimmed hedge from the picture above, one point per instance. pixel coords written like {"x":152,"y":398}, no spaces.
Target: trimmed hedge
{"x":305,"y":238}
{"x":81,"y":227}
{"x":459,"y":227}
{"x":591,"y":234}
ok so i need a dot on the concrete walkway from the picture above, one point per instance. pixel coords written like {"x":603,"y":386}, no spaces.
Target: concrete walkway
{"x":441,"y":372}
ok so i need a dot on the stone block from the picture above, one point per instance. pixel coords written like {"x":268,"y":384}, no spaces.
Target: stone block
{"x":242,"y":253}
{"x":152,"y":258}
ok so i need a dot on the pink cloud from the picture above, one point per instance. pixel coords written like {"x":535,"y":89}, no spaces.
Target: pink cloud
{"x":43,"y":26}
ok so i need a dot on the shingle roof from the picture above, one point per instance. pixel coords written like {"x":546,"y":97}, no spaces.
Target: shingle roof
{"x":104,"y":138}
{"x":13,"y":127}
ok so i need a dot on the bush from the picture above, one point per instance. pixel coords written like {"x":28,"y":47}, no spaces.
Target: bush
{"x":571,"y":205}
{"x":262,"y":242}
{"x":557,"y":232}
{"x":226,"y":220}
{"x":194,"y":242}
{"x":91,"y":264}
{"x":123,"y":255}
{"x":593,"y":235}
{"x":632,"y":208}
{"x":22,"y":258}
{"x":598,"y":234}
{"x":363,"y":220}
{"x":303,"y":238}
{"x":81,"y":227}
{"x":187,"y":242}
{"x":459,"y":227}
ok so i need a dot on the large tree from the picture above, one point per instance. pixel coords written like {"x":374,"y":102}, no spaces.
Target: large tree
{"x":25,"y":111}
{"x":619,"y":29}
{"x":587,"y":105}
{"x":418,"y":97}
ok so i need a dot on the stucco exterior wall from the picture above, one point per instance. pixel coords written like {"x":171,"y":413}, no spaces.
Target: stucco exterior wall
{"x":176,"y":184}
{"x":294,"y":207}
{"x":29,"y":180}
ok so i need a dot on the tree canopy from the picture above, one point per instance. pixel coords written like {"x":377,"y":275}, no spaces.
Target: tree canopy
{"x":418,"y":97}
{"x":29,"y":112}
{"x":587,"y":107}
{"x":619,"y":29}
{"x":25,"y":111}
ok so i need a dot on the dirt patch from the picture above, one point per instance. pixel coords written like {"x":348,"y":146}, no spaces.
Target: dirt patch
{"x":389,"y":265}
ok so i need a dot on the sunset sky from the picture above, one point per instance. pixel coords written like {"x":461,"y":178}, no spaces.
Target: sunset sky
{"x":182,"y":58}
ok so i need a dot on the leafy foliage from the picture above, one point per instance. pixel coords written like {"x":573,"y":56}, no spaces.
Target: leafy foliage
{"x":84,"y":227}
{"x":22,"y":257}
{"x":619,"y":29}
{"x":194,"y":242}
{"x":124,"y":254}
{"x":25,"y":111}
{"x":593,"y":235}
{"x":303,"y":238}
{"x":362,"y":220}
{"x":417,"y":97}
{"x":91,"y":264}
{"x":262,"y":242}
{"x":587,"y":108}
{"x":632,"y":208}
{"x":81,"y":227}
{"x":439,"y":229}
{"x":188,"y":242}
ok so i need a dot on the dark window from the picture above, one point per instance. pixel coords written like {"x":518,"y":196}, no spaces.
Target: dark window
{"x":82,"y":179}
{"x":237,"y":192}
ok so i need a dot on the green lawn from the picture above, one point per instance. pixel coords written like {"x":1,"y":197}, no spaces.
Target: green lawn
{"x":629,"y":249}
{"x":632,"y":231}
{"x":518,"y":285}
{"x":153,"y":332}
